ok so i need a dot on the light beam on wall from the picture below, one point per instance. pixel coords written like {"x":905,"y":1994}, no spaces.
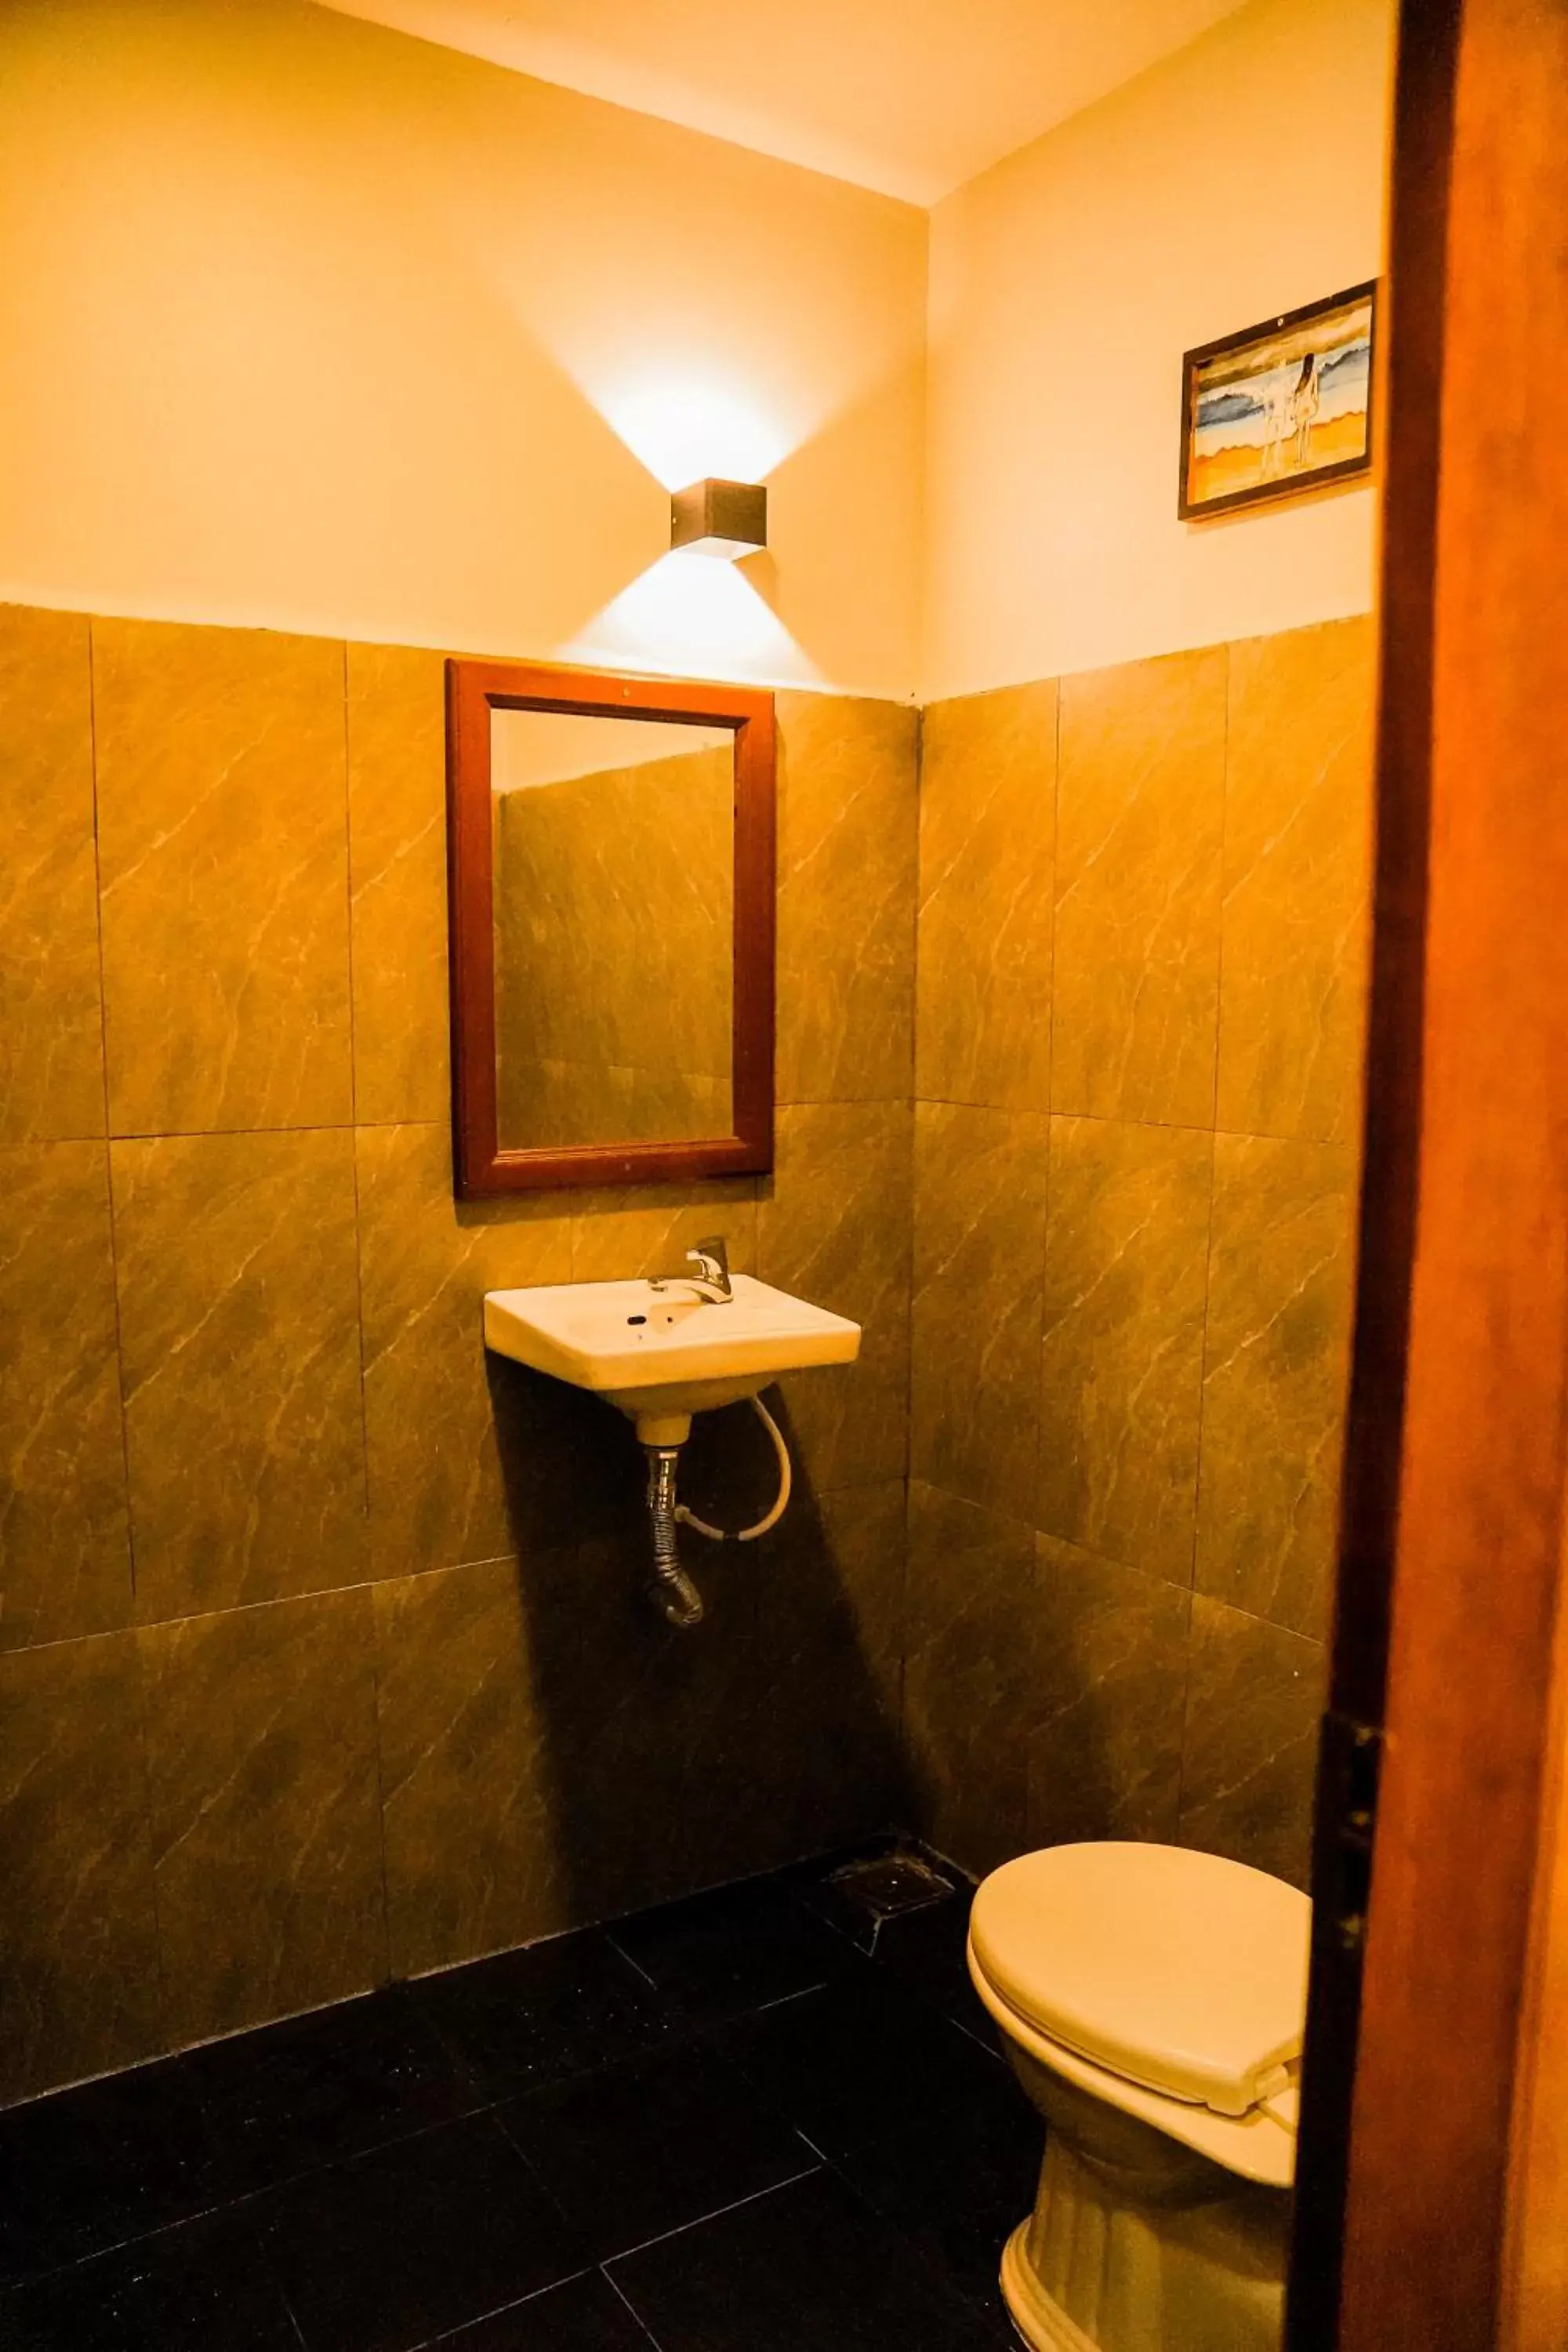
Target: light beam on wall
{"x":683,"y":429}
{"x":684,"y":615}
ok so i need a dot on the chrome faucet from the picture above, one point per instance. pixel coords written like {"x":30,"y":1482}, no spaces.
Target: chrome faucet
{"x":711,"y":1260}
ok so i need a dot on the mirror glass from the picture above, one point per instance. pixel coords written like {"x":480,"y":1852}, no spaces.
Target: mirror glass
{"x":612,"y":843}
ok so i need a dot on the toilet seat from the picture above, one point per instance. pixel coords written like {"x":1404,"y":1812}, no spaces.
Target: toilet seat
{"x":1259,"y":2145}
{"x":1169,"y":1982}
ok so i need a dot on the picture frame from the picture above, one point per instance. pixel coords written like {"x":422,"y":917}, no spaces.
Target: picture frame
{"x":1281,"y":408}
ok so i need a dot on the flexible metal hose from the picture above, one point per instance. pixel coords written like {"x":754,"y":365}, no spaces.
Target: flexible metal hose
{"x":672,"y":1591}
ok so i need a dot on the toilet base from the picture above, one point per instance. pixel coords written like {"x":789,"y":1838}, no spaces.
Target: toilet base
{"x":1095,"y":2269}
{"x":1037,"y":2316}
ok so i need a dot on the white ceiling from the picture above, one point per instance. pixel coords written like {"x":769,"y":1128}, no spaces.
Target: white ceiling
{"x":909,"y":97}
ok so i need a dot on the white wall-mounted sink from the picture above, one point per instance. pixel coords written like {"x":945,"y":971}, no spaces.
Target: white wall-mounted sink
{"x":664,"y":1352}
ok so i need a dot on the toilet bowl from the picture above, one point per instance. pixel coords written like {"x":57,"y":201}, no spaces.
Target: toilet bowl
{"x":1151,"y":2002}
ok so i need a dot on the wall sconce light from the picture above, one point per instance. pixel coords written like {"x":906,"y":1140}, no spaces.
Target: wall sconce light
{"x":714,"y":518}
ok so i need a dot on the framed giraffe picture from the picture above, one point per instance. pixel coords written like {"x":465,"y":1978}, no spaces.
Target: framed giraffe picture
{"x":1280,"y":408}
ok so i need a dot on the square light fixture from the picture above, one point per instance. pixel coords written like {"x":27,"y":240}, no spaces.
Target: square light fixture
{"x":714,"y":518}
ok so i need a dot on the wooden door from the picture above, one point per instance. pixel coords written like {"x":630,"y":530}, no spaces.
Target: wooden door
{"x":1432,"y":2051}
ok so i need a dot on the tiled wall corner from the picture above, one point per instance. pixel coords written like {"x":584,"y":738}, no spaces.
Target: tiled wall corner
{"x":1181,"y":1244}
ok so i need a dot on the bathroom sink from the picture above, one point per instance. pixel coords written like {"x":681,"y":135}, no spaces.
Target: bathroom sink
{"x":663,"y":1351}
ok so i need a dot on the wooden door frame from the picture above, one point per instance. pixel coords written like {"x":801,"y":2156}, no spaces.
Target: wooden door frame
{"x":1453,"y":1536}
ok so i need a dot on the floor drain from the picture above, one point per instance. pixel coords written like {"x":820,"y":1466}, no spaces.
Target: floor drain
{"x":890,"y":1884}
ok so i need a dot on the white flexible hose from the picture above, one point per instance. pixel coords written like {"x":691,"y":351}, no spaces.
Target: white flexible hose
{"x":749,"y":1535}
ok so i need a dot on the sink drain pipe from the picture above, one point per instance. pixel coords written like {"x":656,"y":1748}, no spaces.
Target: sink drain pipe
{"x":672,"y":1592}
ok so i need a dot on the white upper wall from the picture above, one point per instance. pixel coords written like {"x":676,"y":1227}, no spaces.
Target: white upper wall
{"x":307,"y":324}
{"x":1237,"y":179}
{"x":310,"y":325}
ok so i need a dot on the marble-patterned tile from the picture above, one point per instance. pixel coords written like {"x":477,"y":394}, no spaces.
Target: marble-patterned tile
{"x":238,"y":1319}
{"x":646,"y":1229}
{"x":831,"y":1626}
{"x":1277,"y":1365}
{"x":265,"y":1825}
{"x":78,"y":1953}
{"x":847,"y":848}
{"x":1255,"y":1696}
{"x":988,"y":781}
{"x":832,"y":1225}
{"x":397,"y":876}
{"x":65,"y":1551}
{"x":223,"y":848}
{"x":51,"y":1021}
{"x":979,"y":1268}
{"x":1297,"y":854}
{"x":971,"y":1674}
{"x":470,"y":1457}
{"x":1124,"y":1335}
{"x":467,"y":1812}
{"x":652,"y":1731}
{"x":1140,"y":816}
{"x":1112,"y":1644}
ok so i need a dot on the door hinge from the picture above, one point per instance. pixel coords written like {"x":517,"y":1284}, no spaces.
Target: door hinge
{"x":1359,"y":1756}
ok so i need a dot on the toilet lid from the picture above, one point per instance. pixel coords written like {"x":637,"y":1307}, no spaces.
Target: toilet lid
{"x":1178,"y":1970}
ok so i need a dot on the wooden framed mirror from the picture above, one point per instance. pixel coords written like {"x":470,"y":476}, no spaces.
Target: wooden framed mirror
{"x":610,"y":866}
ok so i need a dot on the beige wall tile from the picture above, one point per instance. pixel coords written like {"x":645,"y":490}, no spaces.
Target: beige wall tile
{"x":988,"y":780}
{"x":646,"y":1229}
{"x":267,"y":1842}
{"x":1140,"y":812}
{"x":832,"y":1225}
{"x":1298,"y":845}
{"x":398,"y":869}
{"x":971,"y":1676}
{"x":1276,"y":1363}
{"x":51,"y":1023}
{"x":1111,"y":1644}
{"x":452,"y":1432}
{"x":65,"y":1552}
{"x":979,"y":1266}
{"x":1255,"y":1693}
{"x":222,"y":843}
{"x":239,"y":1310}
{"x":79,"y":1954}
{"x":848,"y":819}
{"x":467,"y":1767}
{"x":1124,"y":1327}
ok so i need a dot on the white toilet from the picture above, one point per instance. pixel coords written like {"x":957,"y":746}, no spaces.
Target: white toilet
{"x":1151,"y":2002}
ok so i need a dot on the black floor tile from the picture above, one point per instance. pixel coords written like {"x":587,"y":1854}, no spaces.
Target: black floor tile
{"x":863,"y":2058}
{"x":392,"y":2250}
{"x":956,"y":2187}
{"x":716,"y":1956}
{"x":636,"y":2150}
{"x":587,"y":2314}
{"x":94,"y":2167}
{"x":807,"y":2268}
{"x":926,"y":1952}
{"x":540,"y":2015}
{"x":202,"y":2287}
{"x":293,"y":2097}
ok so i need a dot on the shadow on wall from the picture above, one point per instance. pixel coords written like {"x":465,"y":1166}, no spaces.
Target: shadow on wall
{"x":665,"y":1759}
{"x":327,"y":1730}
